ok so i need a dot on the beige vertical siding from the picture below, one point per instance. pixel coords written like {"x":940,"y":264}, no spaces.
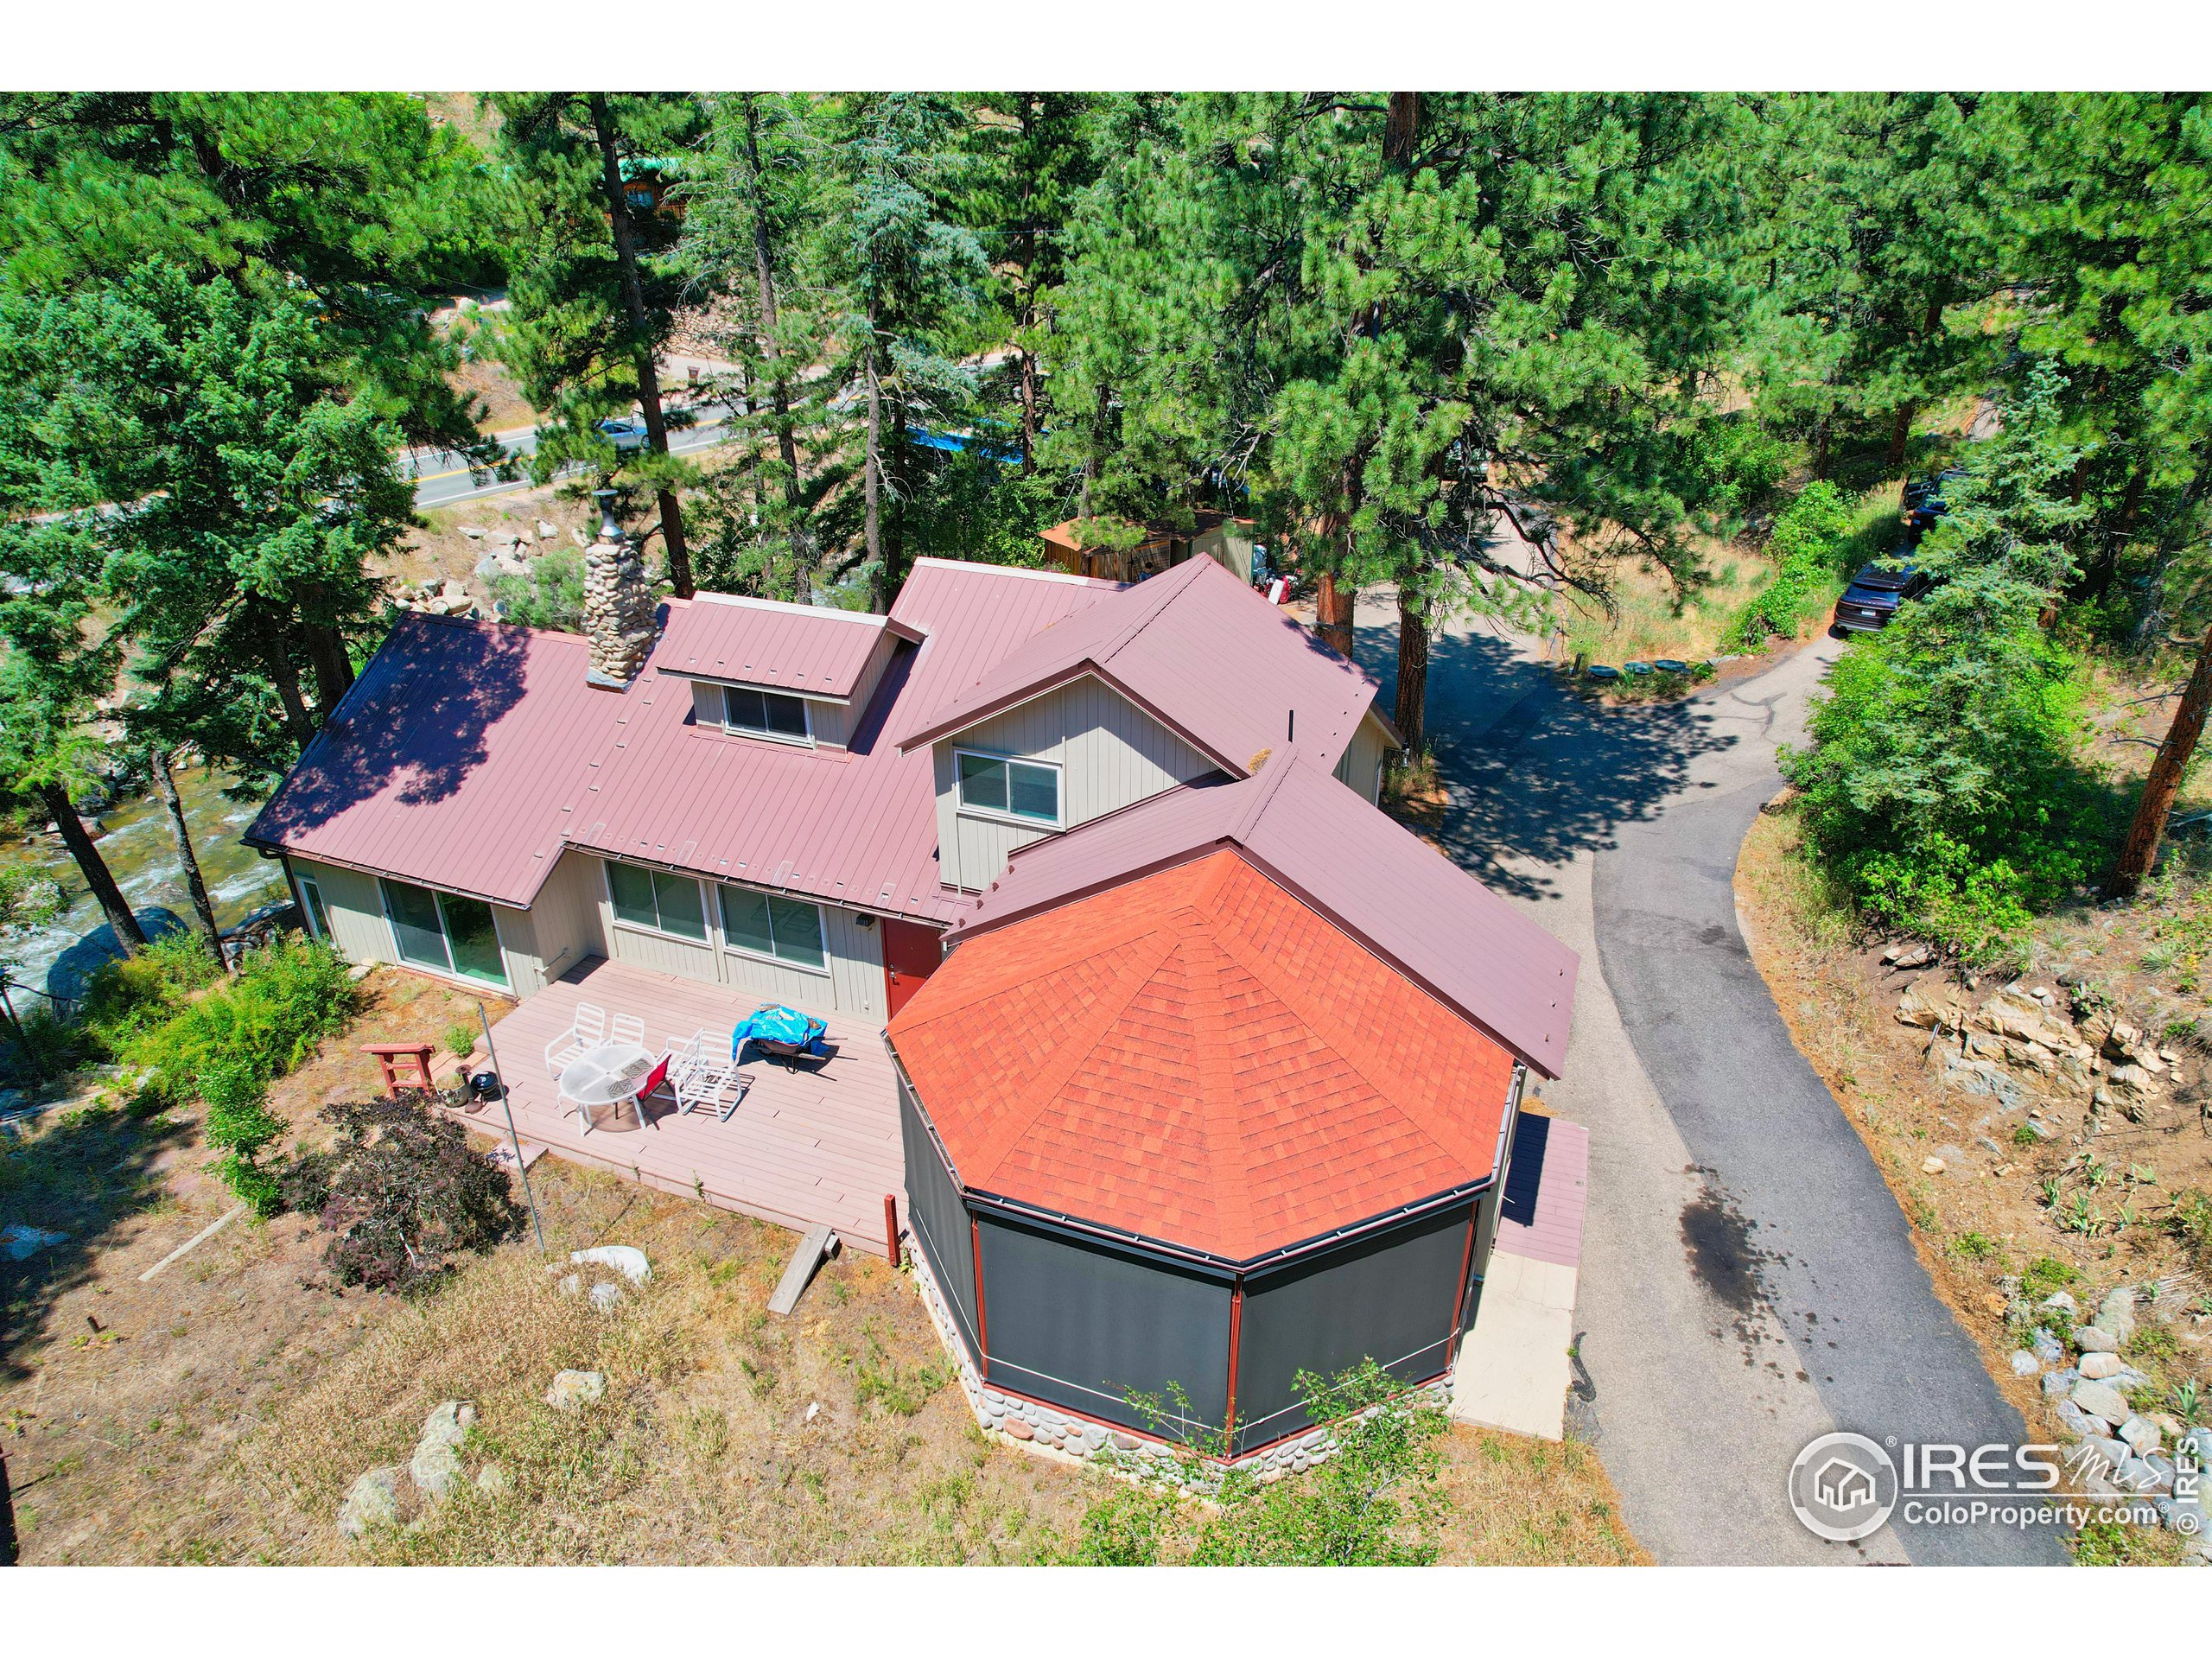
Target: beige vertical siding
{"x":1360,"y":767}
{"x":566,"y":915}
{"x":355,"y":907}
{"x":1110,"y":752}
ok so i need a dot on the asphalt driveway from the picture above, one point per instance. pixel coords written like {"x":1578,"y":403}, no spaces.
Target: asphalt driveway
{"x":1748,"y":1280}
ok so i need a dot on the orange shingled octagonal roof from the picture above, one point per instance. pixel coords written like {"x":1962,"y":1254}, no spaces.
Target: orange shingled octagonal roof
{"x":1200,"y":1057}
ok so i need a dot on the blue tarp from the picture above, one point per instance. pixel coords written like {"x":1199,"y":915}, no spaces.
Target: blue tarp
{"x":777,"y":1025}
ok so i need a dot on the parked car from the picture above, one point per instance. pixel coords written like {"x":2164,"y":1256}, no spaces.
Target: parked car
{"x":1924,"y":501}
{"x":1876,"y":592}
{"x":626,"y":433}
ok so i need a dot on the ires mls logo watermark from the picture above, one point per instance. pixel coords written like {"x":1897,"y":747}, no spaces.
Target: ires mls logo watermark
{"x":1844,"y":1487}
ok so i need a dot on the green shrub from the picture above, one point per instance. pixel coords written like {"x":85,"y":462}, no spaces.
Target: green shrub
{"x":550,"y":596}
{"x":133,"y":994}
{"x":240,"y":1127}
{"x":460,"y":1039}
{"x":403,"y":1192}
{"x":1734,"y":464}
{"x":1944,"y":784}
{"x":268,"y":1019}
{"x":1805,"y":549}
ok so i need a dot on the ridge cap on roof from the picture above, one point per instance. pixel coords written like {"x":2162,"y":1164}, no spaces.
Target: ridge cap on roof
{"x":1026,"y":572}
{"x":789,"y":608}
{"x":1167,"y":589}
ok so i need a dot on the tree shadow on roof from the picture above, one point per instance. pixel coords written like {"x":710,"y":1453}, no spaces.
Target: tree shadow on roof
{"x":420,"y":718}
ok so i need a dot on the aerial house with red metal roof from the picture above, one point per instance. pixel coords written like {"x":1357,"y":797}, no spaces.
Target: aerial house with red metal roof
{"x":1185,"y":1067}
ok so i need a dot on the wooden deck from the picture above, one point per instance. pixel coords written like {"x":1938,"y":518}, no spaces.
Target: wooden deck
{"x":815,"y":1144}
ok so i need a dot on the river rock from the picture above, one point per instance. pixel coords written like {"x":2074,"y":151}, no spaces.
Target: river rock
{"x":2142,"y":1438}
{"x":2062,"y":1301}
{"x":574,"y":1389}
{"x":625,"y":1259}
{"x":2058,"y":1382}
{"x":492,"y":1481}
{"x":2116,"y":1313}
{"x":372,"y":1501}
{"x":475,"y":532}
{"x":2074,"y":1420}
{"x":2101,"y":1400}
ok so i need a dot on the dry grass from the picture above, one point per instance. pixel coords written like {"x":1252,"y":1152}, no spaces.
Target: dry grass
{"x":1651,"y":617}
{"x":1526,"y":1503}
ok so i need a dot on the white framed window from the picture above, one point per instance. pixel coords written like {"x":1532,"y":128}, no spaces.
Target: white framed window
{"x":1000,"y":786}
{"x":311,"y":902}
{"x":659,"y":900}
{"x":444,"y":932}
{"x":767,"y":924}
{"x":766,"y":714}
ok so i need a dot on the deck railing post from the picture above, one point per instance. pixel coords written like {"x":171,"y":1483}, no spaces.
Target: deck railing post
{"x":891,"y":1226}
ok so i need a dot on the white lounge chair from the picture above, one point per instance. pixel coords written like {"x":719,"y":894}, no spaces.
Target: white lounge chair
{"x":587,"y":1030}
{"x":707,"y":1076}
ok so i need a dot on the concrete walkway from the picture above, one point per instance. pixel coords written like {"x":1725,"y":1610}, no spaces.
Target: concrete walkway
{"x":1747,"y":1280}
{"x":1512,"y":1371}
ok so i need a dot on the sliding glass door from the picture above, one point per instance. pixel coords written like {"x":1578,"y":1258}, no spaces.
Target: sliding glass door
{"x":445,"y":931}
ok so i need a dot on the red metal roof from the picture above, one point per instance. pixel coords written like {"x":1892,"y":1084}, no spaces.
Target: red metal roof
{"x":1198,"y":650}
{"x":448,"y":759}
{"x":810,"y":648}
{"x":1201,"y":1057}
{"x":1399,"y":895}
{"x":472,"y":751}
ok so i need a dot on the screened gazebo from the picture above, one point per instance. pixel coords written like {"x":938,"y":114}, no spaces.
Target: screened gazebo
{"x":1171,"y":1144}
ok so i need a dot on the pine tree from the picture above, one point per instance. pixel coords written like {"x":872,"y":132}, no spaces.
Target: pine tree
{"x":593,"y":288}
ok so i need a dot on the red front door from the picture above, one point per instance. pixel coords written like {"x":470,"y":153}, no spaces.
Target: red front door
{"x":911,"y":955}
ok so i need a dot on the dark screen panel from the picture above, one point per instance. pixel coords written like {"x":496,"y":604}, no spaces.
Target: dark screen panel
{"x":1084,"y":1326}
{"x":938,"y":1219}
{"x":1389,"y":1297}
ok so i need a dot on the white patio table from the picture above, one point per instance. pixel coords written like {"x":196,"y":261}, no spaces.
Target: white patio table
{"x":607,"y":1075}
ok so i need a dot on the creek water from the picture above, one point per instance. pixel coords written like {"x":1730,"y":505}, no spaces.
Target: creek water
{"x":140,"y":850}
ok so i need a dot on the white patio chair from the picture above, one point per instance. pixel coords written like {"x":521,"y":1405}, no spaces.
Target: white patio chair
{"x":626,"y":1028}
{"x":587,"y":1030}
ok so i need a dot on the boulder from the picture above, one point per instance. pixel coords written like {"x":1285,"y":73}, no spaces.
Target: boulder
{"x":1908,"y":955}
{"x":2093,"y":1339}
{"x":434,"y":1468}
{"x":546,"y":532}
{"x":625,"y":1259}
{"x":2099,"y":1400}
{"x":607,"y":1296}
{"x":573,"y":1389}
{"x":2014,"y":1014}
{"x":492,"y":1481}
{"x":475,"y":532}
{"x":2058,"y":1382}
{"x":1932,"y":1165}
{"x":2074,"y":1420}
{"x":449,"y":1424}
{"x":2062,"y":1301}
{"x":2024,"y":1363}
{"x":2102,"y":1367}
{"x":371,"y":1502}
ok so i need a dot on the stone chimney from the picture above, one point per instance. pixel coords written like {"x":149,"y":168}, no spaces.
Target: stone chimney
{"x":617,"y":606}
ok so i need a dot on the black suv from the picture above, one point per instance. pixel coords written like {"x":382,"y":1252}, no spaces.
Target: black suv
{"x":1876,"y":592}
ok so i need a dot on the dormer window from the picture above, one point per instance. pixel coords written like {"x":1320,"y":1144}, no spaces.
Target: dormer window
{"x":766,"y":714}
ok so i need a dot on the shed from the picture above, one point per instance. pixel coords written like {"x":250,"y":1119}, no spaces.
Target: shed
{"x":1169,"y":1145}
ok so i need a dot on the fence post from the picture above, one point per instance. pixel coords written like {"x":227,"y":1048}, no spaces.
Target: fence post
{"x":891,"y":1226}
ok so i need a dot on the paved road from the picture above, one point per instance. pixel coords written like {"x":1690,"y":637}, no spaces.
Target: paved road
{"x":442,"y":477}
{"x":1748,"y":1281}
